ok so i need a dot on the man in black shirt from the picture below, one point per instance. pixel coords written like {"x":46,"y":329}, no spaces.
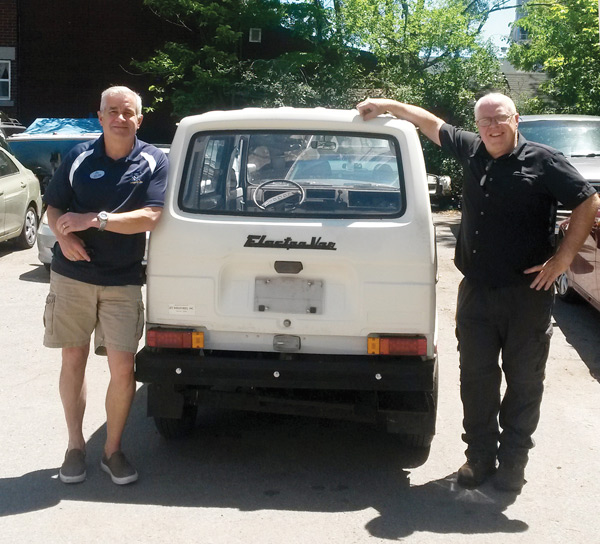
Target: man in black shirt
{"x":505,"y":251}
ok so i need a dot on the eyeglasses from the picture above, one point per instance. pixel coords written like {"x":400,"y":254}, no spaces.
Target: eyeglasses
{"x":500,"y":120}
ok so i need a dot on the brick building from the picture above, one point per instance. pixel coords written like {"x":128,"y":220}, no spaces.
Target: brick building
{"x":8,"y":50}
{"x":56,"y":57}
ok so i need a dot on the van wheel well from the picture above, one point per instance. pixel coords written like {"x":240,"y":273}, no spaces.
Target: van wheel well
{"x":174,"y":428}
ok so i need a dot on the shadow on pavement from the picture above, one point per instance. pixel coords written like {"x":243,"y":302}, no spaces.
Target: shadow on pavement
{"x":8,"y":247}
{"x":39,"y":274}
{"x":256,"y":462}
{"x":447,"y":226}
{"x":580,"y":324}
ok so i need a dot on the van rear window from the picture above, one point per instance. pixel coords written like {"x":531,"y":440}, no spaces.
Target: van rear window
{"x":276,"y":173}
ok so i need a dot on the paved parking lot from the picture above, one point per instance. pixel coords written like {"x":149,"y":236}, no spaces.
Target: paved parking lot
{"x":264,"y":479}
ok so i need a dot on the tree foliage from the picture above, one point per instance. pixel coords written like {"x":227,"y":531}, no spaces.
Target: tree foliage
{"x":430,"y":54}
{"x":562,"y":40}
{"x":424,"y":52}
{"x":330,"y":53}
{"x":207,"y":68}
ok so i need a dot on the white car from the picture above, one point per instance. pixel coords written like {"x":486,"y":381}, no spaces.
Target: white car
{"x":20,"y":202}
{"x":293,"y":270}
{"x":45,"y":242}
{"x":576,"y":136}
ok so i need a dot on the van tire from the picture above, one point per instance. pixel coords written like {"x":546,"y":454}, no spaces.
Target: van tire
{"x":416,"y":440}
{"x":424,"y":440}
{"x":174,"y":428}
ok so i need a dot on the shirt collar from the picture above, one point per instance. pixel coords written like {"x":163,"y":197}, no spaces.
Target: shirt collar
{"x":518,"y":152}
{"x":133,"y":156}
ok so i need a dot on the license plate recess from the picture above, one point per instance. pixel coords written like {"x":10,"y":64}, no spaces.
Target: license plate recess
{"x":288,"y":295}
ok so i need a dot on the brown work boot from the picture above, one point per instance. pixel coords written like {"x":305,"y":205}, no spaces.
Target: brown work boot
{"x":475,"y":471}
{"x":510,"y":476}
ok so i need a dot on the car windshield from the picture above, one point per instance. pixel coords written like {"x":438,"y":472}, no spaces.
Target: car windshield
{"x":316,"y":174}
{"x":573,"y":138}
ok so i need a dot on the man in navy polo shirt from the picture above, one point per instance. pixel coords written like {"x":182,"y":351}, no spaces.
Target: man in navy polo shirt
{"x":101,"y":201}
{"x":505,"y":251}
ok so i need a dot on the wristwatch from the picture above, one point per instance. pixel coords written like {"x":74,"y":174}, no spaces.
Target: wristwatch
{"x":103,"y":219}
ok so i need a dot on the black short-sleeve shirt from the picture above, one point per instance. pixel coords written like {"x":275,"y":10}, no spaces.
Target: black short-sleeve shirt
{"x":89,"y":181}
{"x":509,"y":206}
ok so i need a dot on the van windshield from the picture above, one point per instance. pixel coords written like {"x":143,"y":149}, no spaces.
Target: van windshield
{"x":317,"y":174}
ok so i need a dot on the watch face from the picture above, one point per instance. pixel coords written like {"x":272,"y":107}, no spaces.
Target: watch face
{"x":103,"y":216}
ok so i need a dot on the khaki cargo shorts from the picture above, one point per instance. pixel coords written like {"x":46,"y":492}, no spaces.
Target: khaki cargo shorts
{"x":75,"y":309}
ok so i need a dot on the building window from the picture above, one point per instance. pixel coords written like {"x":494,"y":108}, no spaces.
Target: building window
{"x":255,"y":35}
{"x":4,"y":80}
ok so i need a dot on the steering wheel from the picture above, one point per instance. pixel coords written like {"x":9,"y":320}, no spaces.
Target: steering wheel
{"x":295,"y":189}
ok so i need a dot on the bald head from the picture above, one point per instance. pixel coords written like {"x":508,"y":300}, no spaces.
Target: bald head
{"x":497,"y":120}
{"x":495,"y":99}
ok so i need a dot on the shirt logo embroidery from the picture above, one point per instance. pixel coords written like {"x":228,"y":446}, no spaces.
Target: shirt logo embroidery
{"x":136,"y":179}
{"x":97,"y":174}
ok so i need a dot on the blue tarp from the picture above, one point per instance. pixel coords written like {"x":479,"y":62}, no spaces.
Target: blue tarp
{"x":51,"y":125}
{"x":44,"y":142}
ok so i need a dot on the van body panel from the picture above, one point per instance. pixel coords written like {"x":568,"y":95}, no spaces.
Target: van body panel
{"x":294,"y":239}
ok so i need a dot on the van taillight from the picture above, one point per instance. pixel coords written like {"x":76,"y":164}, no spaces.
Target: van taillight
{"x":173,"y":338}
{"x":397,"y":345}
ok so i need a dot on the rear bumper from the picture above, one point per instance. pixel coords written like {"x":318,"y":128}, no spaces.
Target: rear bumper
{"x":301,"y":371}
{"x":45,"y":243}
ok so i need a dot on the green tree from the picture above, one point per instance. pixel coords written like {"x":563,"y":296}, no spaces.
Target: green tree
{"x":430,"y":54}
{"x":424,"y":52}
{"x":205,"y":68}
{"x":323,"y":71}
{"x":562,"y":41}
{"x":201,"y":66}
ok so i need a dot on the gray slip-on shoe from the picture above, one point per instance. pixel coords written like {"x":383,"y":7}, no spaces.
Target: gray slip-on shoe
{"x":72,"y":470}
{"x":119,"y":468}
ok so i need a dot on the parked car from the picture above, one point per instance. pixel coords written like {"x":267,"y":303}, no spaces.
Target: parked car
{"x":440,"y":190}
{"x":45,"y":242}
{"x":43,"y":144}
{"x":577,"y":136}
{"x":20,"y":202}
{"x":293,"y":271}
{"x":8,"y":127}
{"x":582,"y":279}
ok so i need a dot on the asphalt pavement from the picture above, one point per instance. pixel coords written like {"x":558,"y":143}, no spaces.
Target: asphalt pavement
{"x":260,"y":478}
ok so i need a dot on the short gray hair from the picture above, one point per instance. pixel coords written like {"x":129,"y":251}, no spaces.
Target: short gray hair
{"x":497,"y":98}
{"x":121,"y":90}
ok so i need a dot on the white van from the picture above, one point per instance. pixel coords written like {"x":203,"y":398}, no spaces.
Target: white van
{"x":293,"y":271}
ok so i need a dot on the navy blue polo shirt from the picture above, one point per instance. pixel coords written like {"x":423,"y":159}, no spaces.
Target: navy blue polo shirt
{"x":509,"y":206}
{"x":89,"y":181}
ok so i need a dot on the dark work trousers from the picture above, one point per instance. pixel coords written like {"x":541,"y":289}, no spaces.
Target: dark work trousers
{"x":514,"y":322}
